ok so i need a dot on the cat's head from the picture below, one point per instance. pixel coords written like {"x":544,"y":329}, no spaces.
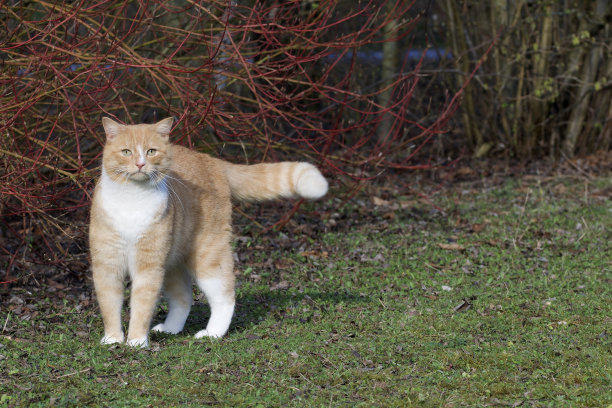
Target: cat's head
{"x":136,"y":153}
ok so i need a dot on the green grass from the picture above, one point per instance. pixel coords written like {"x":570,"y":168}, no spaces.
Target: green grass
{"x":513,"y":309}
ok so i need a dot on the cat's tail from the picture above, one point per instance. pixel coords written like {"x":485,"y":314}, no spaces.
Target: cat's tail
{"x":268,"y":181}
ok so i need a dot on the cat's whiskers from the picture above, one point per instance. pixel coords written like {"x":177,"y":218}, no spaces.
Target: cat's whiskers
{"x":119,"y":173}
{"x":178,"y":180}
{"x":175,"y":196}
{"x":156,"y":178}
{"x":163,"y":181}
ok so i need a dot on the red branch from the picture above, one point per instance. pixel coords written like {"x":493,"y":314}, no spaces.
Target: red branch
{"x":280,"y":78}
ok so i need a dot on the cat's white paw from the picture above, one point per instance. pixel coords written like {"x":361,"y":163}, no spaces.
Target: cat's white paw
{"x":206,"y":333}
{"x":142,"y":342}
{"x":161,"y":328}
{"x":111,"y":340}
{"x":165,"y":328}
{"x":311,"y":183}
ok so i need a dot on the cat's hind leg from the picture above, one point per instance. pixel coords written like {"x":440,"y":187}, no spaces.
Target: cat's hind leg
{"x":177,"y":291}
{"x":215,"y":277}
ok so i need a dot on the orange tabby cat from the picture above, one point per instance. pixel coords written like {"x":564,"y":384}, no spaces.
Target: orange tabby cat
{"x":161,"y":213}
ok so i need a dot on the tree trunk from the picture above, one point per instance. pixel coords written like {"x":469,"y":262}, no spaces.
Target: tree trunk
{"x":390,"y":67}
{"x":461,"y":50}
{"x":587,"y":79}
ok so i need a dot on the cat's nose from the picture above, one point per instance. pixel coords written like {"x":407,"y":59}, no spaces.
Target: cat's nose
{"x":140,"y":165}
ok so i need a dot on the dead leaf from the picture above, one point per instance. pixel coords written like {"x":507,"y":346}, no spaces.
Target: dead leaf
{"x":314,"y":254}
{"x":55,"y":284}
{"x":464,"y":172}
{"x":280,"y":285}
{"x":16,"y":300}
{"x":560,"y":189}
{"x":453,"y":246}
{"x":463,"y":306}
{"x":283,"y":264}
{"x":496,"y":401}
{"x":478,"y":227}
{"x":379,"y":202}
{"x":378,"y":258}
{"x":253,"y":337}
{"x":407,"y":204}
{"x":16,"y":339}
{"x":389,"y":215}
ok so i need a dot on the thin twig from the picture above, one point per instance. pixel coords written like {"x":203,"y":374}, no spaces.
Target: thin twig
{"x":74,"y":373}
{"x":6,"y":321}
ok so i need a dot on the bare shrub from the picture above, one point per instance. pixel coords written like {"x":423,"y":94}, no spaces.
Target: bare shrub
{"x":545,"y":89}
{"x":247,"y":80}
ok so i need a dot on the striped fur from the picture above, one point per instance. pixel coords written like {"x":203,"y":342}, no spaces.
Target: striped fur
{"x":269,"y":181}
{"x":161,"y":214}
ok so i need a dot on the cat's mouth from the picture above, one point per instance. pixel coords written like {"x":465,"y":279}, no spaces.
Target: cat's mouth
{"x":140,"y":176}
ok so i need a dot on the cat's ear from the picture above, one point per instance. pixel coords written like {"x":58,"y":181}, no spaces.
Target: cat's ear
{"x":163,"y":127}
{"x":111,"y":128}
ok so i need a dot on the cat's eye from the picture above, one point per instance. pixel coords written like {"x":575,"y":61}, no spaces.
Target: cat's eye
{"x":151,"y":152}
{"x":126,"y":152}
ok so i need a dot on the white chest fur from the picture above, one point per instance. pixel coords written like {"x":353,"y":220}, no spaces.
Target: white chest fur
{"x":131,"y":207}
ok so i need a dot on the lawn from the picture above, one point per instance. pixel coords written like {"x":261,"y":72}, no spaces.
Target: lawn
{"x":487,"y":294}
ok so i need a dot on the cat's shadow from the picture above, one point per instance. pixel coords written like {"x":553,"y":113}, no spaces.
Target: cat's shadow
{"x":252,"y":308}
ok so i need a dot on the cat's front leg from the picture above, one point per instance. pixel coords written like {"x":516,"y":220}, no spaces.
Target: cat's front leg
{"x":146,"y":287}
{"x":147,"y":273}
{"x":108,"y":276}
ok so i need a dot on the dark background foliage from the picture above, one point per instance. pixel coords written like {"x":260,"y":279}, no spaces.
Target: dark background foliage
{"x":359,"y":88}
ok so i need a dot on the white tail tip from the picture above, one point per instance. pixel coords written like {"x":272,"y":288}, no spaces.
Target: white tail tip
{"x":310,"y":183}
